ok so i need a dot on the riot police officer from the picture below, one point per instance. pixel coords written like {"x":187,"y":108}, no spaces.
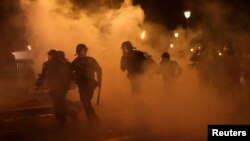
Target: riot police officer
{"x":202,"y":61}
{"x":133,"y":62}
{"x":85,"y":69}
{"x":170,"y":71}
{"x":227,"y":71}
{"x":56,"y":75}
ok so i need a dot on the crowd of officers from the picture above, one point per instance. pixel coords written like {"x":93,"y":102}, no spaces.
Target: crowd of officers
{"x":138,"y":64}
{"x":222,"y":69}
{"x":60,"y":75}
{"x":226,"y":70}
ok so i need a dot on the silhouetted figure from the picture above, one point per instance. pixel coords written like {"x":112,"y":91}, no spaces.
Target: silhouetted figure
{"x":71,"y":107}
{"x":227,"y":71}
{"x":170,"y":71}
{"x":56,"y":75}
{"x":202,"y":61}
{"x":133,"y":61}
{"x":85,"y":69}
{"x":150,"y":65}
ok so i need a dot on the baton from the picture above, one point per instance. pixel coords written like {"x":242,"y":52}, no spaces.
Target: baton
{"x":98,"y":96}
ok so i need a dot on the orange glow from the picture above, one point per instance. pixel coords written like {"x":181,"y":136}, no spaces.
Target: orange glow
{"x":176,"y":34}
{"x":220,"y":53}
{"x":143,"y":35}
{"x":171,"y":45}
{"x":29,"y":47}
{"x":187,"y":14}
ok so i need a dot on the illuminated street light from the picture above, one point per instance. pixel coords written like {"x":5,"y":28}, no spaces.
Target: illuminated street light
{"x":171,"y":45}
{"x":220,"y":53}
{"x":29,"y":47}
{"x":192,"y":50}
{"x":143,"y":35}
{"x":187,"y":14}
{"x":176,"y":34}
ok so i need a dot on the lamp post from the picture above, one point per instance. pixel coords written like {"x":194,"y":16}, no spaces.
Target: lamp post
{"x":29,"y":47}
{"x":187,"y":15}
{"x":143,"y":35}
{"x":176,"y":34}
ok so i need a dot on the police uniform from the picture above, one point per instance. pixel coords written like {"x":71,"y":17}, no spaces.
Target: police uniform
{"x":170,"y":71}
{"x":133,"y":62}
{"x":55,"y":74}
{"x":84,"y":69}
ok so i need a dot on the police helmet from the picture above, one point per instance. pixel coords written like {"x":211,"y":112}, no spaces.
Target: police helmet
{"x":53,"y":53}
{"x":61,"y":54}
{"x":81,"y":47}
{"x":165,"y":55}
{"x":128,"y":45}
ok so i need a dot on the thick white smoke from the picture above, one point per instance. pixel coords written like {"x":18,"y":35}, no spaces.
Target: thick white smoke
{"x":54,"y":24}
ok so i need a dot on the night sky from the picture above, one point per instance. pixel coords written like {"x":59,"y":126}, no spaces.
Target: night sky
{"x":170,"y":12}
{"x":12,"y":25}
{"x":166,"y":12}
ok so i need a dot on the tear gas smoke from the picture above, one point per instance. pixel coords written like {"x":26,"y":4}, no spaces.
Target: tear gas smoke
{"x":62,"y":24}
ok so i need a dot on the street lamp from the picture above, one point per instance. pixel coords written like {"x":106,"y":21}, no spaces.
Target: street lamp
{"x":29,"y":47}
{"x":176,"y":34}
{"x":171,"y":45}
{"x":187,"y":14}
{"x":143,"y":35}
